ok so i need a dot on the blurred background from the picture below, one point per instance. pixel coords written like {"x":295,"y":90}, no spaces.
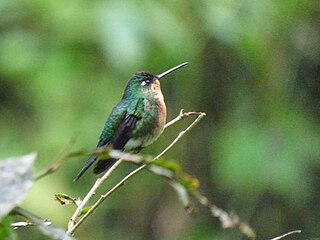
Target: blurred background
{"x":254,"y":68}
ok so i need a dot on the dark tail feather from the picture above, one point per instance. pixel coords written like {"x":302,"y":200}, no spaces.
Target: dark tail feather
{"x":103,"y":165}
{"x":89,"y":162}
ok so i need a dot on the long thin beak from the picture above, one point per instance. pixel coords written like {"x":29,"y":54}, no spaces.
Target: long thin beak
{"x":171,"y":70}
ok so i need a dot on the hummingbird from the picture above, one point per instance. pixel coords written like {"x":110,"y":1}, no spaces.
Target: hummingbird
{"x":136,"y":121}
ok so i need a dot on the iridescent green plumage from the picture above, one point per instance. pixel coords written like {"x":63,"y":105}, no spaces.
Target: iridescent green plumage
{"x":136,"y":121}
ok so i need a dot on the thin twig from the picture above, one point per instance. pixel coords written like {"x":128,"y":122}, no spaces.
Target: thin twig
{"x":200,"y":116}
{"x":103,"y":197}
{"x":71,"y":223}
{"x":181,"y":116}
{"x":286,"y":234}
{"x":72,"y":226}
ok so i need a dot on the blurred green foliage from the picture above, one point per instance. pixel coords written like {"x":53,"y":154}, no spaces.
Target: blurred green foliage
{"x":254,"y":69}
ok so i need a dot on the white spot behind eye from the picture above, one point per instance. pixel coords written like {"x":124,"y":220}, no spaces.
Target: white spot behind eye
{"x":143,"y":83}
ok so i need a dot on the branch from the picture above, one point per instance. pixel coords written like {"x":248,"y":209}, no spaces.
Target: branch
{"x":181,"y":116}
{"x":186,"y":186}
{"x":72,"y":226}
{"x":285,"y":235}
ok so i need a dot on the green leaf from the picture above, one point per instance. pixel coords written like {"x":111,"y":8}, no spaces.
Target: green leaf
{"x":84,"y":211}
{"x":15,"y":181}
{"x":65,"y":199}
{"x":170,"y":165}
{"x":188,"y":181}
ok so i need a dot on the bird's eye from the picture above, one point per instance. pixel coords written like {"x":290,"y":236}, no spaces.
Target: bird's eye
{"x":143,"y":83}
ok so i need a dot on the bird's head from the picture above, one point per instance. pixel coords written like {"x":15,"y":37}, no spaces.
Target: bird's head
{"x":144,"y":83}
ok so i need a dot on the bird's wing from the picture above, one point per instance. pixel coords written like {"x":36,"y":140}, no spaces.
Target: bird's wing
{"x":132,"y":115}
{"x":116,"y":132}
{"x":112,"y":125}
